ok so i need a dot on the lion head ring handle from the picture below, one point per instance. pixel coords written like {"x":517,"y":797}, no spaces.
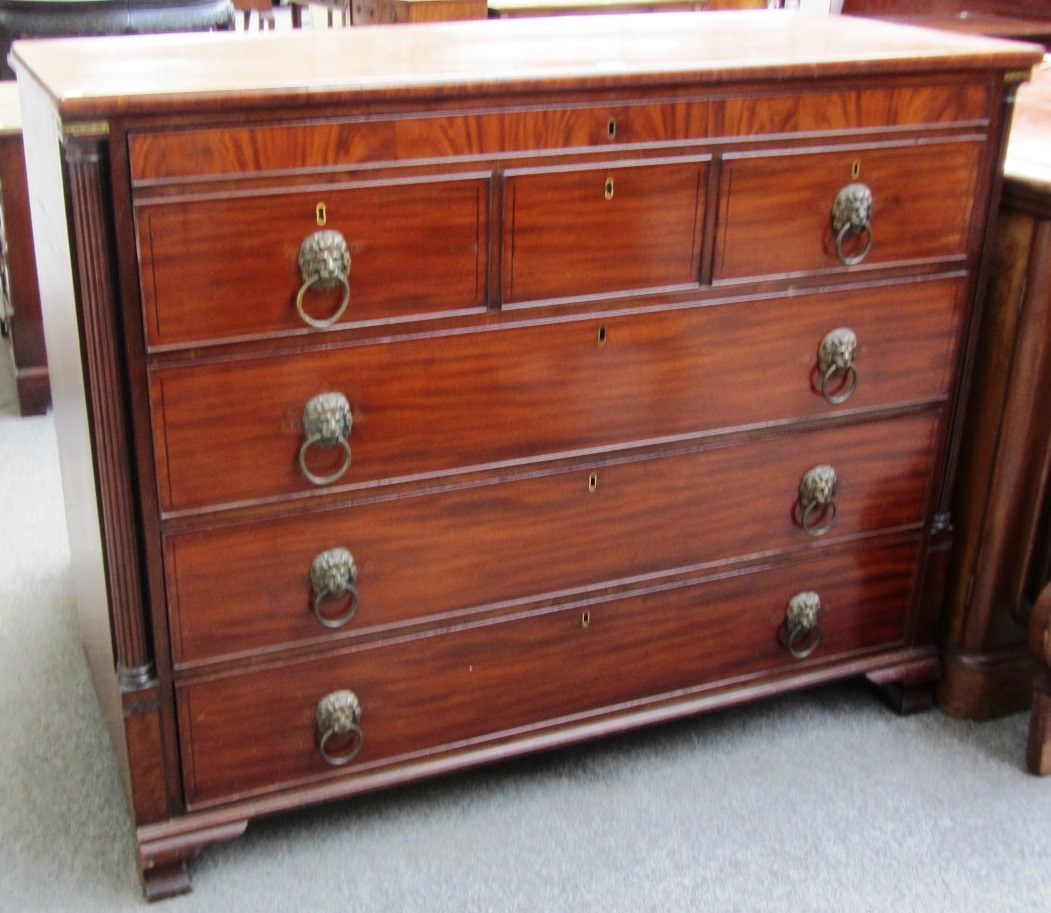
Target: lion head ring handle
{"x":334,"y":575}
{"x":338,"y":716}
{"x":326,"y":423}
{"x":324,"y":264}
{"x":817,"y":498}
{"x":851,"y":216}
{"x":801,"y":624}
{"x":835,"y":358}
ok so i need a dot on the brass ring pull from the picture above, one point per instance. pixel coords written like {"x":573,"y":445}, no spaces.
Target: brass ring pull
{"x":326,"y":423}
{"x":339,"y":715}
{"x":334,"y":575}
{"x":817,"y":497}
{"x":324,"y":264}
{"x":852,"y":215}
{"x":801,"y":624}
{"x":835,"y":357}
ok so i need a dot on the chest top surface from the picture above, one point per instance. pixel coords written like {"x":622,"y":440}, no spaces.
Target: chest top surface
{"x":90,"y":77}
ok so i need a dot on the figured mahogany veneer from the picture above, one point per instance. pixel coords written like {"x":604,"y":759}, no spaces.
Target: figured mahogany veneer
{"x":435,"y":406}
{"x":488,"y":681}
{"x":422,"y":558}
{"x":417,"y":248}
{"x":599,"y":360}
{"x":774,"y":213}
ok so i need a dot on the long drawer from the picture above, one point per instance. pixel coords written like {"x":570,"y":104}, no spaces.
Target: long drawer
{"x":775,"y":210}
{"x":432,"y":557}
{"x":238,"y":149}
{"x":420,"y":695}
{"x":233,"y":431}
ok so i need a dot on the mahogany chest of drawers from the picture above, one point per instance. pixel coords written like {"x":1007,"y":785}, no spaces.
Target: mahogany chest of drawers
{"x":433,"y":395}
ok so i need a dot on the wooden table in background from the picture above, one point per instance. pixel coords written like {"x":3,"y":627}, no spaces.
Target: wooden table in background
{"x":1002,"y":506}
{"x":507,"y":9}
{"x":18,"y":262}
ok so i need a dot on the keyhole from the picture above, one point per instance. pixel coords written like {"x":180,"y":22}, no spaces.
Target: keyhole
{"x":609,"y":188}
{"x":855,"y":170}
{"x":611,"y":128}
{"x":601,"y":336}
{"x":322,"y":214}
{"x":585,"y":619}
{"x":592,"y":482}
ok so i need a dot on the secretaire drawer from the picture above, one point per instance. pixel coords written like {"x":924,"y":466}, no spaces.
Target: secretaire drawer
{"x":237,"y":431}
{"x":490,"y":681}
{"x":158,"y":156}
{"x":574,"y":232}
{"x":383,"y":564}
{"x":266,"y":263}
{"x":776,"y":210}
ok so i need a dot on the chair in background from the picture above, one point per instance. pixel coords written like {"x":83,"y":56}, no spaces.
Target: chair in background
{"x":263,"y":8}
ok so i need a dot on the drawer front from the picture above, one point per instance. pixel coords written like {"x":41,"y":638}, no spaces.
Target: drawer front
{"x":589,"y":231}
{"x":229,"y":268}
{"x":426,"y":558}
{"x":422,"y":695}
{"x":233,"y":432}
{"x":775,"y":216}
{"x":267,"y":148}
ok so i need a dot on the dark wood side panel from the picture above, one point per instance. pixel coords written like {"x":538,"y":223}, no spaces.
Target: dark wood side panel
{"x":775,"y":210}
{"x":434,"y":405}
{"x":495,"y":681}
{"x":229,"y":267}
{"x":425,"y":558}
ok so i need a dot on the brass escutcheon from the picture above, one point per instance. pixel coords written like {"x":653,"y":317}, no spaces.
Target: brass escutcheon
{"x":609,"y":188}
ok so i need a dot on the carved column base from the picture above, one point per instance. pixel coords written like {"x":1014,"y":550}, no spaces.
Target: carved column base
{"x":1038,"y":757}
{"x":983,"y":686}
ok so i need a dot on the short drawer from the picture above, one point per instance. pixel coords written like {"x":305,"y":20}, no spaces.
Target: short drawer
{"x":447,"y":691}
{"x":572,"y":233}
{"x":234,"y":432}
{"x":430,"y":558}
{"x":775,"y":215}
{"x":230,"y":267}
